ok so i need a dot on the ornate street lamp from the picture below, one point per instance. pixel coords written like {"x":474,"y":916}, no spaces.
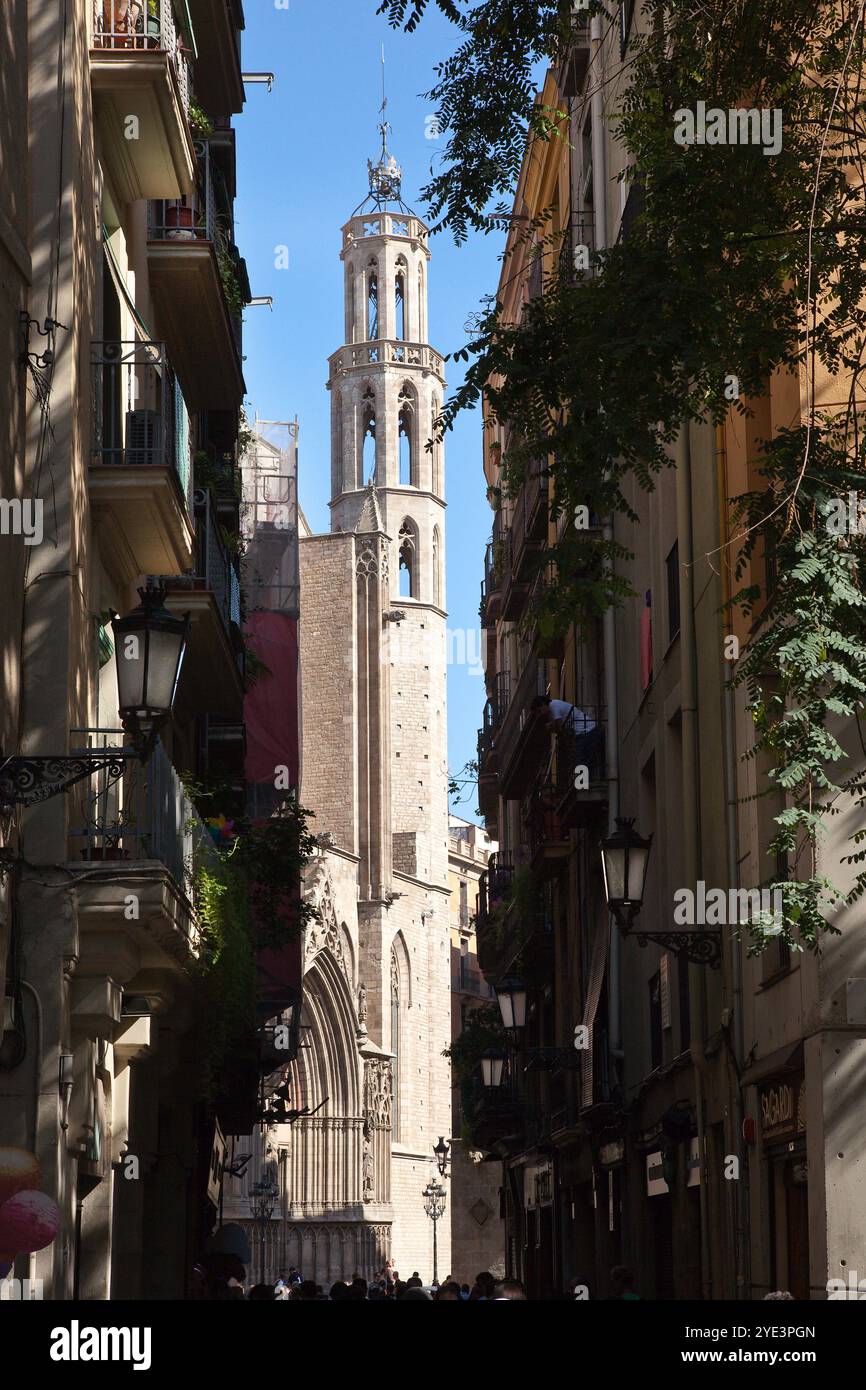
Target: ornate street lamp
{"x":492,"y":1066}
{"x":434,"y":1205}
{"x":441,"y":1150}
{"x":511,"y":997}
{"x":624,"y":861}
{"x":149,"y":647}
{"x":262,"y":1197}
{"x":149,"y":644}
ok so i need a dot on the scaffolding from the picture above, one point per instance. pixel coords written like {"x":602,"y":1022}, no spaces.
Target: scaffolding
{"x":269,"y":518}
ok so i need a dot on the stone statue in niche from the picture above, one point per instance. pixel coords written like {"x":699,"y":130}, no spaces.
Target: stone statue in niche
{"x":368,"y":1178}
{"x":362,"y":1004}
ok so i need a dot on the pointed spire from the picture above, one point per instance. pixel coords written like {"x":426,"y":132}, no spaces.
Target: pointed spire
{"x":385,"y":177}
{"x":370,"y":518}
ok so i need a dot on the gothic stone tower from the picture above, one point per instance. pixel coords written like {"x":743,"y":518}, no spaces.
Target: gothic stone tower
{"x":375,"y":769}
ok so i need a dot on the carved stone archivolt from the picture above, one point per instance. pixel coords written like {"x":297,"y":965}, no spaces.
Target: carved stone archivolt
{"x":325,"y":934}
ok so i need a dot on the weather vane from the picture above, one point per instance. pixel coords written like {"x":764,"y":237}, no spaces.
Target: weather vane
{"x":385,"y":177}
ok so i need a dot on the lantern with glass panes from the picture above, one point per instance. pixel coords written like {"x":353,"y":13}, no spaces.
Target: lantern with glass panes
{"x":149,"y":647}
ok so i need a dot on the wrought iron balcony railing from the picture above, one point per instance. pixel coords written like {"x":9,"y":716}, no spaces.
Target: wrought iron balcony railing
{"x":469,"y":981}
{"x":140,"y":418}
{"x":215,"y":570}
{"x":578,"y":246}
{"x":197,"y":217}
{"x":529,"y":516}
{"x":580,"y":770}
{"x":144,"y":814}
{"x":494,"y":886}
{"x":124,"y":26}
{"x":215,"y":564}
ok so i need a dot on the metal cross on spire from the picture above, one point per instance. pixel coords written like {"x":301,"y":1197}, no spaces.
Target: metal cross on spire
{"x":385,"y":177}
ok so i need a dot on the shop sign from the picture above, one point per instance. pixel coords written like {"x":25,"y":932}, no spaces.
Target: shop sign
{"x":656,"y":1186}
{"x":610,"y":1154}
{"x":217,"y":1161}
{"x":782,"y":1109}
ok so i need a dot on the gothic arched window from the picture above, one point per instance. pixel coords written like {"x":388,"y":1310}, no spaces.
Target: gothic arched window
{"x":437,"y":582}
{"x":350,"y":303}
{"x":406,"y":434}
{"x":372,"y":301}
{"x":337,"y":436}
{"x":368,"y":436}
{"x":408,"y":543}
{"x":437,"y":449}
{"x":395,"y":1045}
{"x":420,"y":304}
{"x":400,"y":298}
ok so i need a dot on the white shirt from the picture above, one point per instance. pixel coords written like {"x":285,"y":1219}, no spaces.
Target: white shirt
{"x":561,"y":709}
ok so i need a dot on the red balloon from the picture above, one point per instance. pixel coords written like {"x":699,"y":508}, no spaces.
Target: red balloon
{"x":28,"y":1221}
{"x":19,"y":1171}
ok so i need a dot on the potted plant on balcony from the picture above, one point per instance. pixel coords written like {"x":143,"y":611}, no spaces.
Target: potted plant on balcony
{"x":179,"y":221}
{"x":153,"y":24}
{"x":199,"y":122}
{"x":120,"y":22}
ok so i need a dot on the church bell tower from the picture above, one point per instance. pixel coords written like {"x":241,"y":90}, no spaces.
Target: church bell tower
{"x":387,"y":480}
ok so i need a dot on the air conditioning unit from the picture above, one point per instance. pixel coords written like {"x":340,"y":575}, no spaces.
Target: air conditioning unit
{"x":143,"y":438}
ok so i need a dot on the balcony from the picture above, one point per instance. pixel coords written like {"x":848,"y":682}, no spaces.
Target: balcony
{"x":145,"y":822}
{"x":488,"y":783}
{"x":495,"y":556}
{"x":212,"y":679}
{"x":492,"y":904}
{"x":513,"y":922}
{"x":515,"y":586}
{"x":468,"y":981}
{"x":140,"y":80}
{"x":218,"y":83}
{"x":359,"y":356}
{"x":546,"y":836}
{"x":581,"y":773}
{"x":495,"y":1120}
{"x":192,"y":271}
{"x":528,"y":527}
{"x":140,"y":470}
{"x":573,"y":55}
{"x":546,"y":632}
{"x":578,"y":246}
{"x":523,"y":741}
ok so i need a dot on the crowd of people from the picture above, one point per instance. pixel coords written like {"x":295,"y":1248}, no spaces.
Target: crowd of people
{"x":387,"y":1286}
{"x":221,"y":1274}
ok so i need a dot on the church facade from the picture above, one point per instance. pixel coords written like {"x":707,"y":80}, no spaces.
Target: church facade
{"x":376,"y":1015}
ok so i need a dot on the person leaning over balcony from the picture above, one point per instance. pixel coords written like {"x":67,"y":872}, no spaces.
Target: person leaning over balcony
{"x":558,"y":711}
{"x":573,"y":723}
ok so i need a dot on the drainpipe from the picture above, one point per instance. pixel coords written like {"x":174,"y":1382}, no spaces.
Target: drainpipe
{"x":732,"y":841}
{"x":599,"y":184}
{"x":611,"y":685}
{"x":690,"y":829}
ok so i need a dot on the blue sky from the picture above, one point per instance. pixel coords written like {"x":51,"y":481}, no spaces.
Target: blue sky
{"x":302,"y":170}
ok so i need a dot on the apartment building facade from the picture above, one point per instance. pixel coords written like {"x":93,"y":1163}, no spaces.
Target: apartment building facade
{"x":700,"y":1129}
{"x":123,"y":292}
{"x":474,"y":1186}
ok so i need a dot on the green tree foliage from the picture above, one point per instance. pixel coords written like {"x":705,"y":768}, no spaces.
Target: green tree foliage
{"x":482,"y":1030}
{"x":737,"y":264}
{"x":248,"y":899}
